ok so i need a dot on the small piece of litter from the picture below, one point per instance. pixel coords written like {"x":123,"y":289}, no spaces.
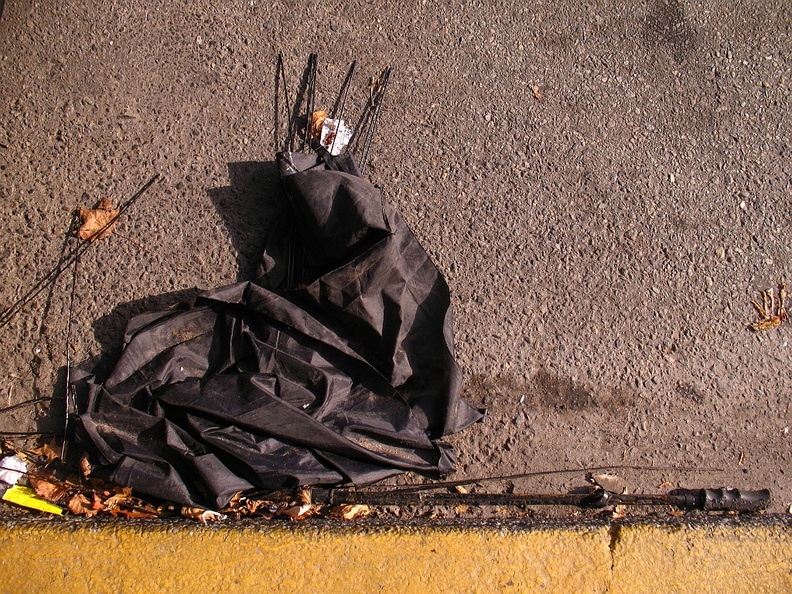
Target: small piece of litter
{"x":204,"y":515}
{"x":26,"y":497}
{"x":12,"y":468}
{"x":335,"y":135}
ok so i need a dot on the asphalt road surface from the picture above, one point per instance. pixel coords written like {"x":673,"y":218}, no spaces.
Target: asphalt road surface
{"x":605,"y":185}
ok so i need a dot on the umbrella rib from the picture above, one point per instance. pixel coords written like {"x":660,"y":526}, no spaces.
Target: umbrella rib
{"x":342,"y":96}
{"x":288,"y":105}
{"x":65,"y":262}
{"x":379,"y":96}
{"x":309,"y":103}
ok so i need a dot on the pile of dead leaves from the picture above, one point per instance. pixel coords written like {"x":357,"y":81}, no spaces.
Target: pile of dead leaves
{"x":297,"y":505}
{"x":91,"y":500}
{"x":87,"y":496}
{"x":80,"y":494}
{"x":73,"y":489}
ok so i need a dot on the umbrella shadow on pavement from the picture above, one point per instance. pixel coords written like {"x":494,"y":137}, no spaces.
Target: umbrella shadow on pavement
{"x":251,"y":208}
{"x":109,"y":329}
{"x":248,"y":207}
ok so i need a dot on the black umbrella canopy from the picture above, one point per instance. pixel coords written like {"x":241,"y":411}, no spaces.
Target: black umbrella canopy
{"x":334,"y":366}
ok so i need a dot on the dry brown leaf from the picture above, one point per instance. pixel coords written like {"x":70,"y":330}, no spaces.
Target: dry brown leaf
{"x":610,"y":482}
{"x":300,"y":508}
{"x":537,"y":95}
{"x":233,"y":503}
{"x":317,"y":121}
{"x":119,"y":494}
{"x":85,"y":465}
{"x":50,"y":491}
{"x":255,"y":505}
{"x":123,"y":504}
{"x":98,"y":504}
{"x":350,"y":511}
{"x":99,"y":222}
{"x":47,"y":451}
{"x":765,"y":325}
{"x":771,"y":313}
{"x":136,"y":507}
{"x":676,"y":513}
{"x":461,"y":489}
{"x":297,"y":512}
{"x":664,"y":485}
{"x":303,"y":496}
{"x":79,"y":505}
{"x":133,"y":513}
{"x":111,"y":503}
{"x":619,"y":512}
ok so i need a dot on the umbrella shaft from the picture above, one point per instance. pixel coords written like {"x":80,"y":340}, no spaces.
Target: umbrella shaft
{"x":704,"y":499}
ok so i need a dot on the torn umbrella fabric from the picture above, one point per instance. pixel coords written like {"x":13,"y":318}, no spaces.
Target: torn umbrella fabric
{"x":335,"y":366}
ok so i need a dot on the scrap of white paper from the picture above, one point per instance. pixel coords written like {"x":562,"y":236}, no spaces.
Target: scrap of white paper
{"x":12,"y":468}
{"x":335,"y":135}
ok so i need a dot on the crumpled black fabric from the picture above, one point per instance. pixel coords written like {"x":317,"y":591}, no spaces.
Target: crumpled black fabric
{"x":335,"y":366}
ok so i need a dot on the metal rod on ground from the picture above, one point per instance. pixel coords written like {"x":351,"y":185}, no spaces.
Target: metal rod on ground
{"x":297,"y":105}
{"x":69,"y":395}
{"x":276,"y":118}
{"x":724,"y":499}
{"x":302,"y":95}
{"x":363,"y":121}
{"x":23,"y":403}
{"x":509,"y":477}
{"x":26,"y":434}
{"x":342,"y":93}
{"x":359,"y":127}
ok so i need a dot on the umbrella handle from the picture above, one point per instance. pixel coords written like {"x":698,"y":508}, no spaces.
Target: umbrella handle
{"x":726,"y":499}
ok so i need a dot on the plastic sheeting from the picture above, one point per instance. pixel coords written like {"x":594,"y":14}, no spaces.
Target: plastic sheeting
{"x":335,"y":366}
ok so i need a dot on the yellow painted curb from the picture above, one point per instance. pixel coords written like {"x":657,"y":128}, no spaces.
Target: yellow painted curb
{"x":738,"y":559}
{"x":117,"y":557}
{"x":124,"y":559}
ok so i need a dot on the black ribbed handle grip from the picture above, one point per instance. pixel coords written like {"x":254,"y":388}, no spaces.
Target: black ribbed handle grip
{"x":726,"y":499}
